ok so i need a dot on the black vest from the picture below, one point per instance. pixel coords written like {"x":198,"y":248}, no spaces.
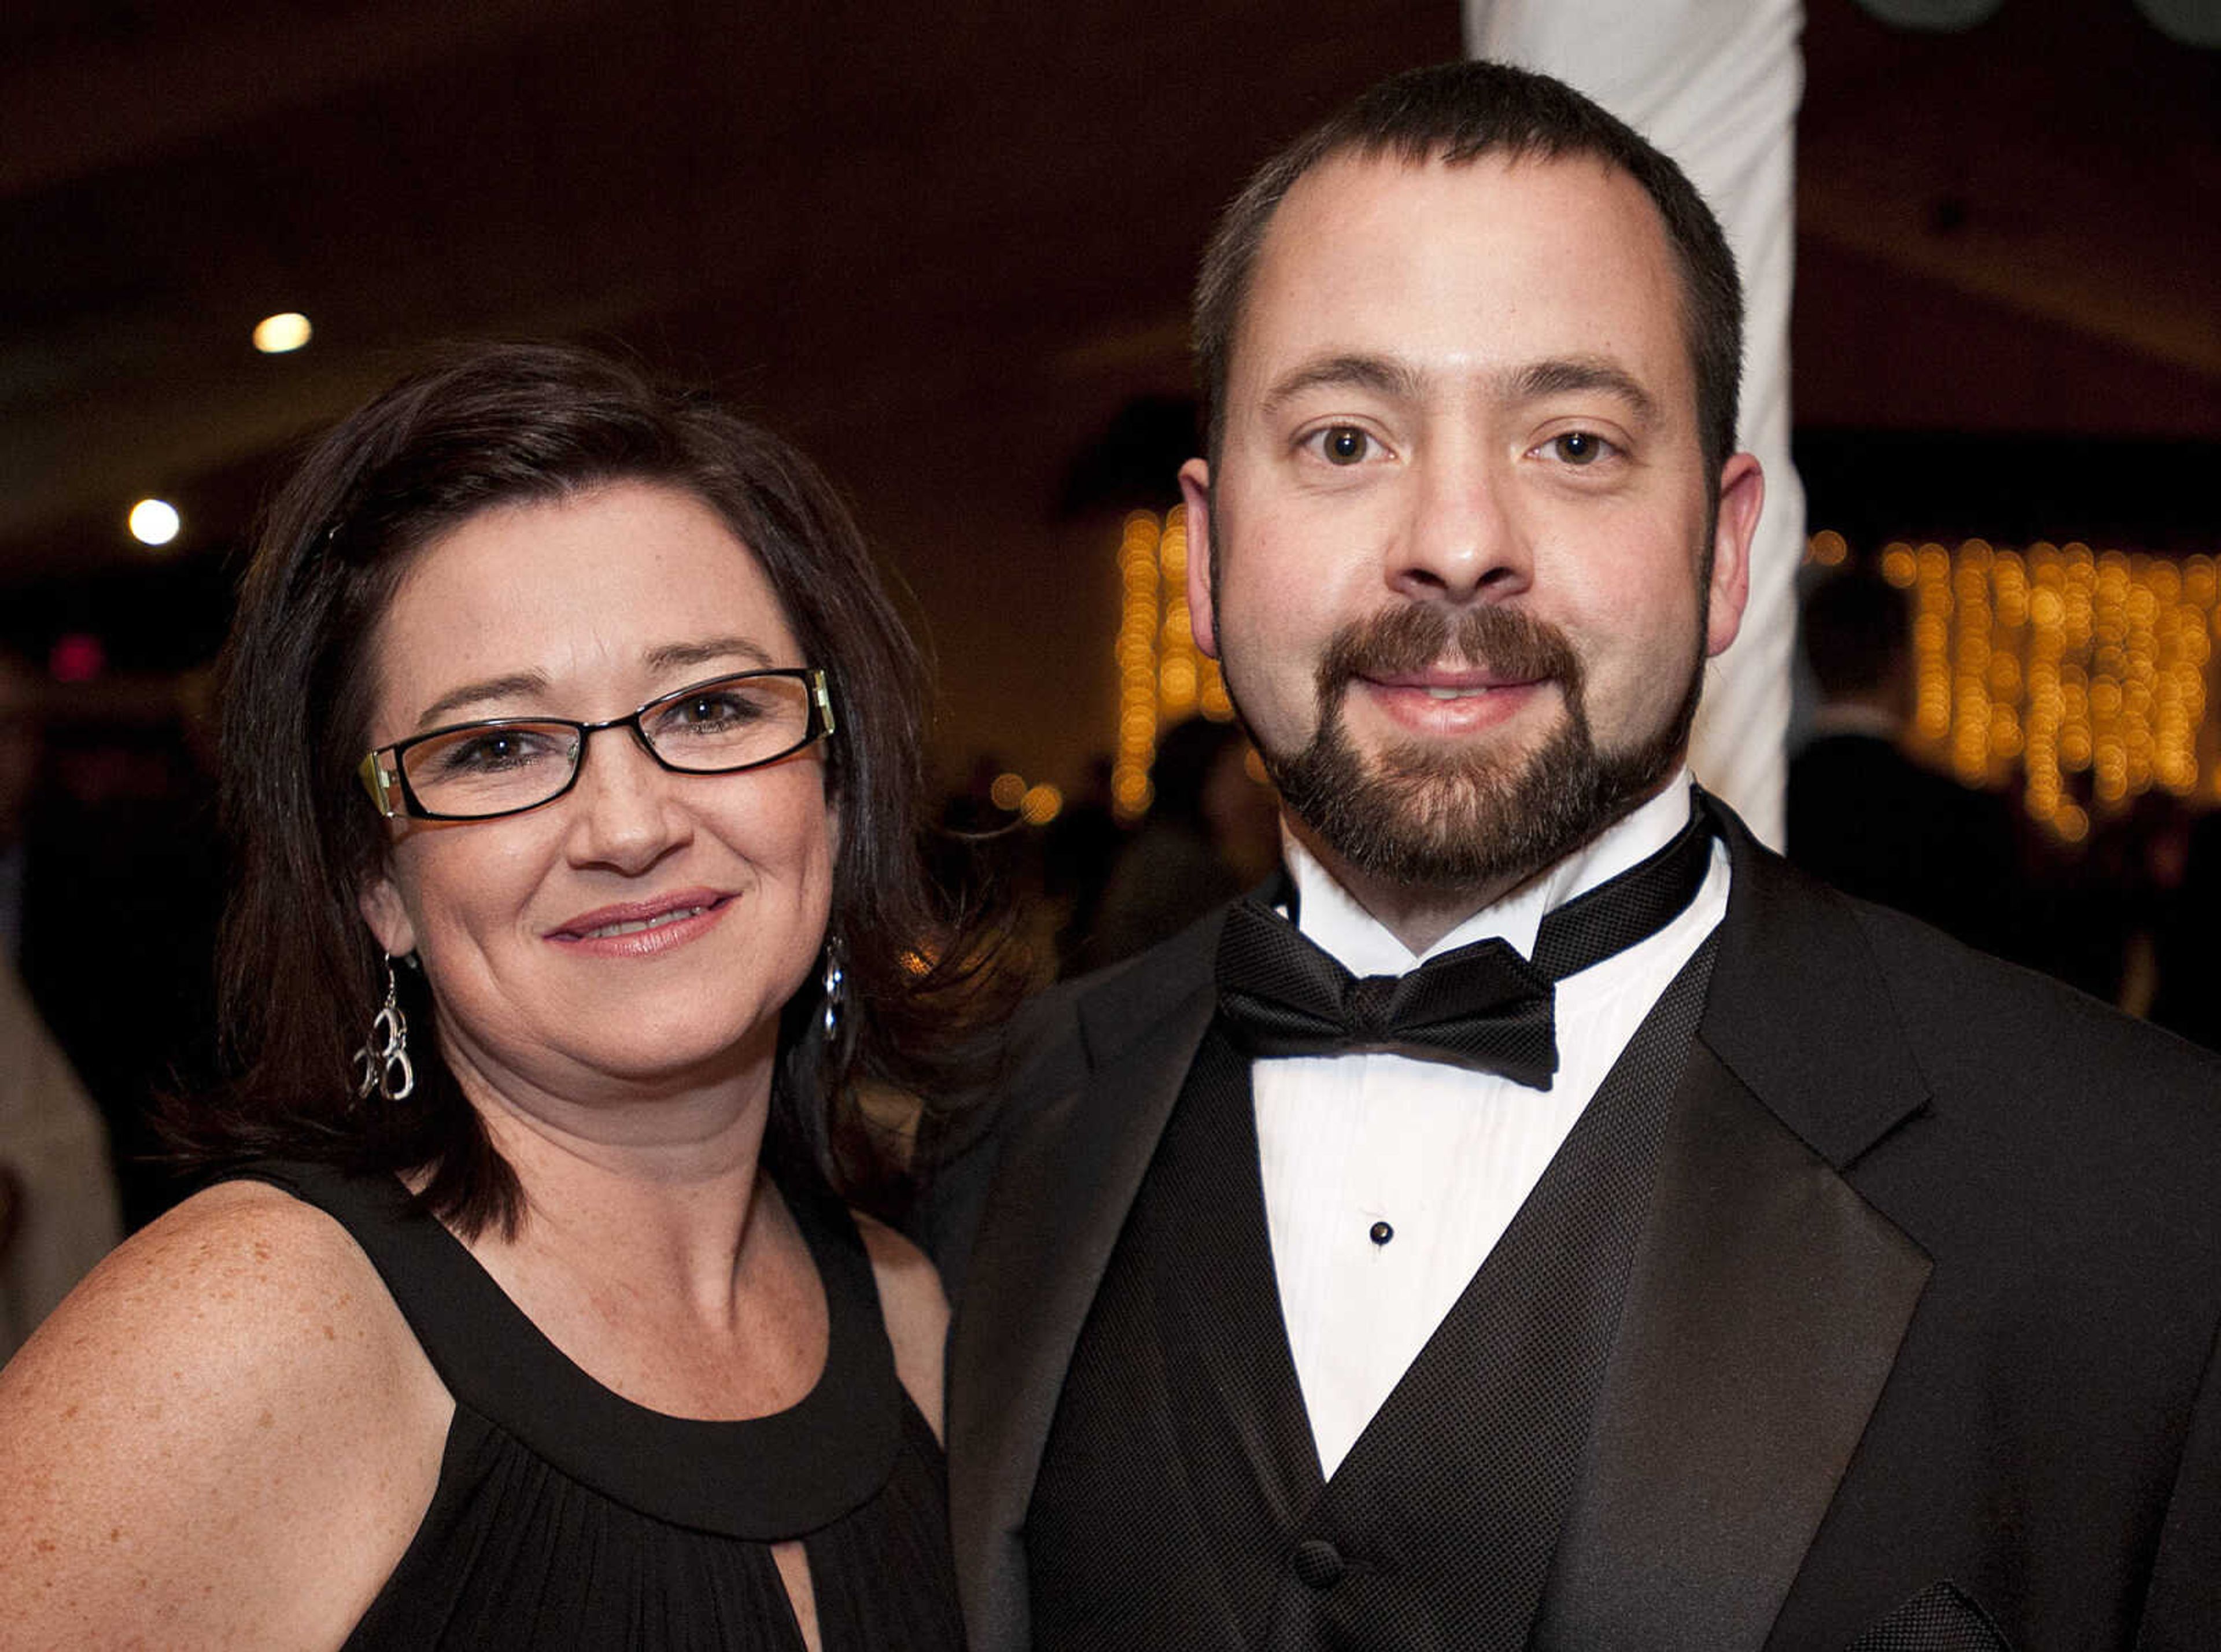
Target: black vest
{"x":1180,"y":1503}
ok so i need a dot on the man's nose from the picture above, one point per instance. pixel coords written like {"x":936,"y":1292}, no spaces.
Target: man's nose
{"x":1462,"y":540}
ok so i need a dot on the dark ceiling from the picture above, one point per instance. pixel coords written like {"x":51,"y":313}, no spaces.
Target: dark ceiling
{"x":943,"y":247}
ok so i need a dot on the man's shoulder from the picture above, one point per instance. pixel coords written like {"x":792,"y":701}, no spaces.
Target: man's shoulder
{"x":2055,"y":1159}
{"x":1927,"y":970}
{"x":1124,"y":999}
{"x":1985,"y":1039}
{"x":1052,"y":1044}
{"x":1981,"y":1024}
{"x":2045,"y":1111}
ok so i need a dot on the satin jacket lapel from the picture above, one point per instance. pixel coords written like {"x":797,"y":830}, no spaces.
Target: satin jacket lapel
{"x":1768,"y":1300}
{"x":1067,"y":1178}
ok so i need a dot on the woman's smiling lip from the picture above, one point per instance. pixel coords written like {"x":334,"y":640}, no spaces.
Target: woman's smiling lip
{"x":640,"y":928}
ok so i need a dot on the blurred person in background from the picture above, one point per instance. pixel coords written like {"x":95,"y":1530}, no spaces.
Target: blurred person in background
{"x":116,"y":892}
{"x":57,"y":1205}
{"x":20,"y":713}
{"x":571,"y":746}
{"x":2187,"y":996}
{"x":1865,"y":816}
{"x":1210,"y":833}
{"x":1079,"y":850}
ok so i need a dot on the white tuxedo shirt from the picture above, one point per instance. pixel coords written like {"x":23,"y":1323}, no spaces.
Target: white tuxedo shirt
{"x":1436,"y":1158}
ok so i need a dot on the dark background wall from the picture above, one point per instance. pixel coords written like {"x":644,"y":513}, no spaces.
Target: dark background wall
{"x":944,"y":247}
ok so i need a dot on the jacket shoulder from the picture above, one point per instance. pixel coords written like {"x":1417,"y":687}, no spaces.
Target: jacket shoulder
{"x":1045,"y":1054}
{"x":1865,"y":1027}
{"x":2060,"y":1138}
{"x":1974,"y":1018}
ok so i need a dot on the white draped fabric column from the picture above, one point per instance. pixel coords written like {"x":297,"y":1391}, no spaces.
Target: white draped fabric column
{"x":1716,"y":84}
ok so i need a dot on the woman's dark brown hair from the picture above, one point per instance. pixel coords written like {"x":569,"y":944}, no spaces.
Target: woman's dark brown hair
{"x":301,"y":977}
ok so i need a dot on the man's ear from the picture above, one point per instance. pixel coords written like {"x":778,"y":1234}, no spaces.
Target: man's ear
{"x":1195,"y":489}
{"x":379,"y":902}
{"x":1742,"y":494}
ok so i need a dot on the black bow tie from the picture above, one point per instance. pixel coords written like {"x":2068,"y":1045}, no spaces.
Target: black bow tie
{"x":1481,"y":1006}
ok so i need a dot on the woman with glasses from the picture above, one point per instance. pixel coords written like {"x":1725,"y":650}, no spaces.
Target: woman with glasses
{"x":571,"y":746}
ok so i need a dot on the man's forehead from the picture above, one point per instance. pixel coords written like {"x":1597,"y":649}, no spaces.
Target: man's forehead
{"x":1446,"y":254}
{"x":1354,"y":200}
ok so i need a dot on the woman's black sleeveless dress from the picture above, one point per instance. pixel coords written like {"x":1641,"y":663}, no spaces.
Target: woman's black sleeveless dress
{"x":568,"y":1516}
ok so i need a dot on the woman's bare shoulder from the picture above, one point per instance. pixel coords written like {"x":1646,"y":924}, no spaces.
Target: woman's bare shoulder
{"x":226,"y":1432}
{"x":916,"y":1311}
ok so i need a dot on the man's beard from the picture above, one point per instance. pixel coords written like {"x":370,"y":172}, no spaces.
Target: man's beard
{"x":1435,"y":816}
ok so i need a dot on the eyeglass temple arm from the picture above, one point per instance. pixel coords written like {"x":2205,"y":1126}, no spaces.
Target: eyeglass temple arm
{"x":380,"y":785}
{"x":822,"y":691}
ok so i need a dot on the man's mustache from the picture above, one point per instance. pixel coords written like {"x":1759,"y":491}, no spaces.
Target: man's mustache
{"x":1504,"y":642}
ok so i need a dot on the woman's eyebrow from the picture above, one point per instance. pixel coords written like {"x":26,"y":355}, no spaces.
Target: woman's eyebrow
{"x":492,"y":688}
{"x":673,"y":656}
{"x":670,"y":656}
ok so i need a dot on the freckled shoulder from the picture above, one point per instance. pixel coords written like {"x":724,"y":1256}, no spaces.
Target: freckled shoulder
{"x":225,"y":1436}
{"x":916,"y":1312}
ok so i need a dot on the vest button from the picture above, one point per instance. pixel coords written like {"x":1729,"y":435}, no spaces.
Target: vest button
{"x":1317,"y":1562}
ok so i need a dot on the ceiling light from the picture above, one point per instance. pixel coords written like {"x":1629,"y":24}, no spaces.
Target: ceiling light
{"x":275,"y":334}
{"x":154,"y":522}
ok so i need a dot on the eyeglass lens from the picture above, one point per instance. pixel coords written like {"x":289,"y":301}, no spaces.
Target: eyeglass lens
{"x":492,"y":767}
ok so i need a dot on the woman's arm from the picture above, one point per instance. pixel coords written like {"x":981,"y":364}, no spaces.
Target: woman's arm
{"x":226,"y":1436}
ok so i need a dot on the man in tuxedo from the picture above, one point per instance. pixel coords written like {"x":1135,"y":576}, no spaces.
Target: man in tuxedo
{"x":1543,"y":1217}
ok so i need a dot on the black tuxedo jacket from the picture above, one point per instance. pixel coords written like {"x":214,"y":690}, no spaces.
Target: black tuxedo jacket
{"x":1919,"y":1347}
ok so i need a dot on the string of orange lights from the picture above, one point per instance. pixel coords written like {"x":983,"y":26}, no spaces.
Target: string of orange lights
{"x":1163,"y":678}
{"x":2081,"y":674}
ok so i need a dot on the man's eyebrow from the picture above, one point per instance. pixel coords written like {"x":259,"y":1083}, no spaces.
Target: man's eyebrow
{"x":1560,"y":375}
{"x":1382,"y":375}
{"x":492,"y":688}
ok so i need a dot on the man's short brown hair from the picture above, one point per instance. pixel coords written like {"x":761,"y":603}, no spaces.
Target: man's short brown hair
{"x":1458,"y":112}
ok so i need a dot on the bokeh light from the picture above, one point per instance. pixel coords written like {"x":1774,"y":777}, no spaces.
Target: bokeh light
{"x":154,"y":522}
{"x":282,"y":333}
{"x":1040,"y":803}
{"x":1163,"y":678}
{"x":76,"y":657}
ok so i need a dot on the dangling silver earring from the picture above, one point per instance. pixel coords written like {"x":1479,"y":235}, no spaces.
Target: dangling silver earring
{"x":382,"y":1064}
{"x":835,"y":981}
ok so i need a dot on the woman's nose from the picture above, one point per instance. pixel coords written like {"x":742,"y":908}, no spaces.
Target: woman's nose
{"x":626,"y":813}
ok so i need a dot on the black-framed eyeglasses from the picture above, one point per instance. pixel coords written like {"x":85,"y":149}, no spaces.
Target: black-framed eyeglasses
{"x":504,"y":766}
